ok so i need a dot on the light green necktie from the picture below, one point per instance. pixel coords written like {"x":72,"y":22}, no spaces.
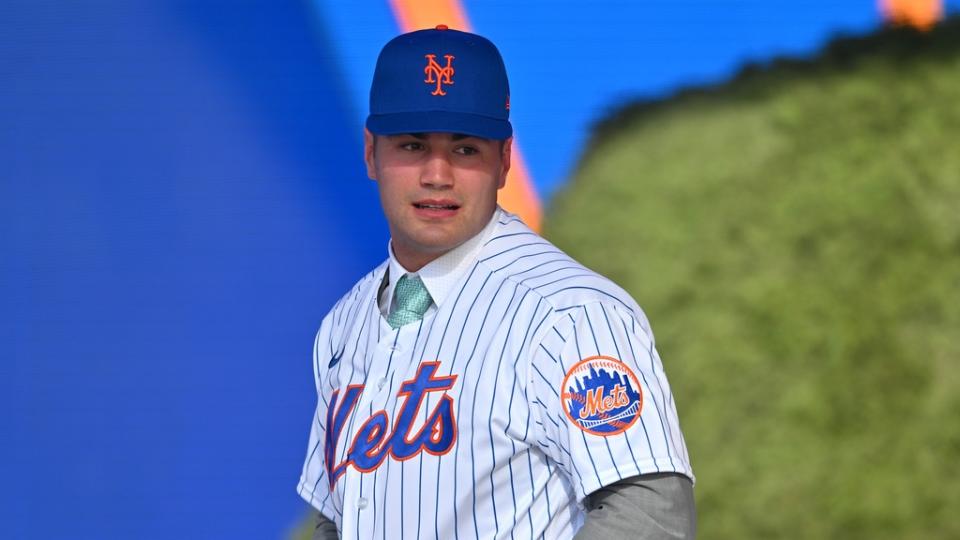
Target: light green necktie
{"x":410,"y":301}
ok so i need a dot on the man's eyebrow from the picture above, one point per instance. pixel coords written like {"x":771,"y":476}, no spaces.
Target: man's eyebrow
{"x":419,"y":136}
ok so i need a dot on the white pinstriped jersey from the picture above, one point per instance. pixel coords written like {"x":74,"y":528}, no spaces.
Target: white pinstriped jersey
{"x":535,"y":383}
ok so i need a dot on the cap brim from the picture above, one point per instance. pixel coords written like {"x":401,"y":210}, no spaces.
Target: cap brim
{"x":440,"y":122}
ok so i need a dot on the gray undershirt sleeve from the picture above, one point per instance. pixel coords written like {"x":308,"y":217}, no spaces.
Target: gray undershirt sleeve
{"x":649,"y":506}
{"x":325,"y":529}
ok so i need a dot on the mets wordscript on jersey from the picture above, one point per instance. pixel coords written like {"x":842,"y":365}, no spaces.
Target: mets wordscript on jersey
{"x":375,"y":440}
{"x":438,"y":74}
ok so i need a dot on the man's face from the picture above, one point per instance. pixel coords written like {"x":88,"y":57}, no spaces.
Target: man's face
{"x":437,"y":189}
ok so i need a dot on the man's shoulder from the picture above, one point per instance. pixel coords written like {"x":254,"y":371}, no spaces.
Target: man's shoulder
{"x":361,"y":289}
{"x":518,"y":254}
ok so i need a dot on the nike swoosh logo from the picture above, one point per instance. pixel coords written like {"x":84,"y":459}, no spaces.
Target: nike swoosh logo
{"x":335,"y":360}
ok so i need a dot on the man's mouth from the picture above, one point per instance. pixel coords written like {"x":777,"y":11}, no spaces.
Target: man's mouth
{"x":436,"y":206}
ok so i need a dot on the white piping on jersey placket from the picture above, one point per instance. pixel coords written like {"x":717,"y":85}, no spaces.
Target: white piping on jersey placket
{"x":377,"y":395}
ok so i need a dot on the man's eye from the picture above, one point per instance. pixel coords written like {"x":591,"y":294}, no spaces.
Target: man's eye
{"x":466,"y":150}
{"x":412,"y":146}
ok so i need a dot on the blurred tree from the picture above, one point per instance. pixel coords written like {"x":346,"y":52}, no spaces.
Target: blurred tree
{"x":794,"y":236}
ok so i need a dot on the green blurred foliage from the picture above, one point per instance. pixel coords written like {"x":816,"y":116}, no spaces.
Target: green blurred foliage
{"x":794,"y":236}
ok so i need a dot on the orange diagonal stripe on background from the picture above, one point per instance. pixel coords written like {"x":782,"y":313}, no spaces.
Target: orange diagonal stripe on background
{"x":519,"y":195}
{"x":921,"y":14}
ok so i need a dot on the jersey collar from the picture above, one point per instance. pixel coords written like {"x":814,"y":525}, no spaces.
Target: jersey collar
{"x":441,"y":275}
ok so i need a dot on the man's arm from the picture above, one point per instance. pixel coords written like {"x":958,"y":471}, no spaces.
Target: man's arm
{"x":602,"y":410}
{"x":649,"y":506}
{"x":325,"y":529}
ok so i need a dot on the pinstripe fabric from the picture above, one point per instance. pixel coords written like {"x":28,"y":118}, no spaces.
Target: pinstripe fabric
{"x":520,"y":318}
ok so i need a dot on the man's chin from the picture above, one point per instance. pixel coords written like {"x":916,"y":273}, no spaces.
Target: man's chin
{"x":436,"y":238}
{"x":436,"y":247}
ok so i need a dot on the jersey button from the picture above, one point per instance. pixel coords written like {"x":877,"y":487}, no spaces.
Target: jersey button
{"x":362,"y":503}
{"x":396,"y":348}
{"x":382,"y":381}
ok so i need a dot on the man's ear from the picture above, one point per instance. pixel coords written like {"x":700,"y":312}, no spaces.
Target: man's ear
{"x":369,"y":152}
{"x":505,"y":154}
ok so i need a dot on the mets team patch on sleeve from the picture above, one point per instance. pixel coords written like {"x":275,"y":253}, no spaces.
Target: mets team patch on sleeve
{"x":602,"y":396}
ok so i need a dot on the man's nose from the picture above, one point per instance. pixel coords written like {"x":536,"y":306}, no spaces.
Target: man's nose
{"x":437,"y":171}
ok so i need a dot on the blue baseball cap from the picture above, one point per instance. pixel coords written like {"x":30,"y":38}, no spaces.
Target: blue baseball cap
{"x":440,"y":80}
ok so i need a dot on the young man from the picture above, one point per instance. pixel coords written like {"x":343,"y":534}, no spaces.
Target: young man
{"x":479,"y":383}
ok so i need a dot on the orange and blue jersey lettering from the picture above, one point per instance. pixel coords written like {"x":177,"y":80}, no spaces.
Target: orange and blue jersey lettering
{"x":375,"y":441}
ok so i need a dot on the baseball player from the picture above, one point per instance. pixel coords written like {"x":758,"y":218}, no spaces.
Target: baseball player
{"x":480,"y":383}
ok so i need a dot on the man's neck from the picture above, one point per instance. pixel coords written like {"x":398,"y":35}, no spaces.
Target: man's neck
{"x":414,"y":261}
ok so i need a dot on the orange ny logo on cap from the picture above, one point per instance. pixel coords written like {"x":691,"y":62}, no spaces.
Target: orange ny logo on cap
{"x":438,"y":75}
